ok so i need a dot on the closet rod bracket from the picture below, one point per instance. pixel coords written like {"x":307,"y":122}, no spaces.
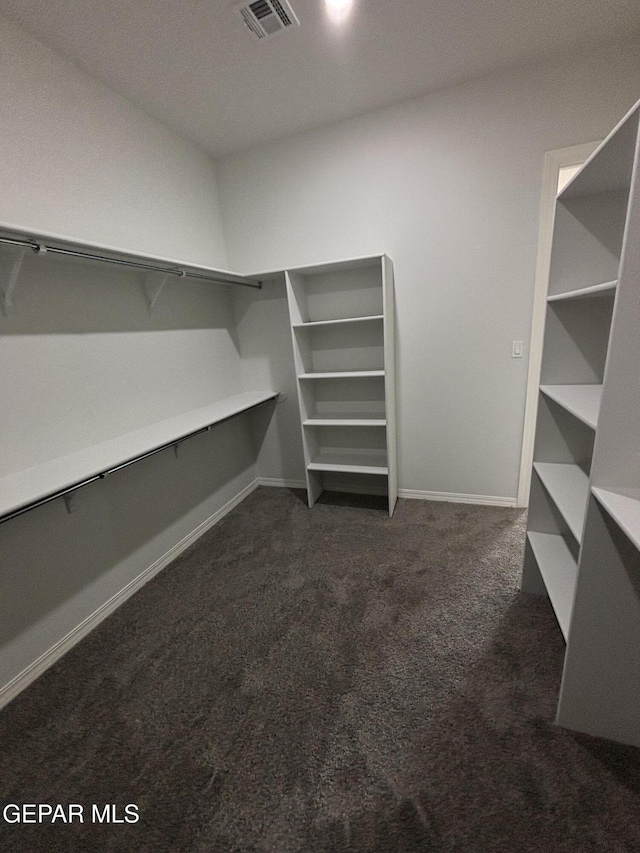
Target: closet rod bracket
{"x":70,"y":502}
{"x":151,"y":294}
{"x":12,"y":281}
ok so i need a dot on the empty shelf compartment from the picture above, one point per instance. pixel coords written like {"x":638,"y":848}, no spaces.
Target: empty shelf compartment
{"x":582,"y":401}
{"x":568,"y":486}
{"x":328,"y":348}
{"x":559,"y":572}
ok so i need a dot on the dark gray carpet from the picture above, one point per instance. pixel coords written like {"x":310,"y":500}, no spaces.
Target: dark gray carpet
{"x":317,"y":681}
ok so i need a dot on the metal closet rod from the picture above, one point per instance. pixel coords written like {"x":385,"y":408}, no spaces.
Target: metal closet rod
{"x":60,"y":493}
{"x":42,"y":248}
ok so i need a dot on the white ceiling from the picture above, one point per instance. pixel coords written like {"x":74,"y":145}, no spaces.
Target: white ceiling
{"x":194,"y":65}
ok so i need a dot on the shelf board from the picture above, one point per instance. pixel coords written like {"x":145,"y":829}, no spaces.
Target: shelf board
{"x":582,"y":401}
{"x":350,"y":461}
{"x":568,"y":486}
{"x":345,"y":420}
{"x":624,"y":509}
{"x":59,"y":243}
{"x":52,"y":478}
{"x":559,"y":572}
{"x":607,"y":288}
{"x":314,"y":323}
{"x":343,"y":374}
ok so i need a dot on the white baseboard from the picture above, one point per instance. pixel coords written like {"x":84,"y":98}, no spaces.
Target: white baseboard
{"x":411,"y":494}
{"x":486,"y":500}
{"x":279,"y":483}
{"x":34,"y":670}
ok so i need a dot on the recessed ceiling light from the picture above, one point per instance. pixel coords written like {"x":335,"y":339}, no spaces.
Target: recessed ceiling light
{"x":338,"y":5}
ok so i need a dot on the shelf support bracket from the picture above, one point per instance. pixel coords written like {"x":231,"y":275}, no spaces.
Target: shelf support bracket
{"x":70,"y":502}
{"x":151,"y":294}
{"x":8,"y":291}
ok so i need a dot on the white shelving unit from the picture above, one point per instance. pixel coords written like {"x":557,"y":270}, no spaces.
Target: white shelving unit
{"x":583,"y":539}
{"x":342,"y":327}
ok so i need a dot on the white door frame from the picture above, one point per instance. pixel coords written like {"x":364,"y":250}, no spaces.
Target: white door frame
{"x":553,"y":162}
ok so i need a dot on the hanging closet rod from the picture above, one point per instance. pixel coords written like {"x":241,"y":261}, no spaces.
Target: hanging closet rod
{"x":59,"y":493}
{"x":42,"y":248}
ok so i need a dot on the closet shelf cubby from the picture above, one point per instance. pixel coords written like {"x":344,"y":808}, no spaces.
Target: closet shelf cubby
{"x":342,"y":330}
{"x":568,"y":487}
{"x":583,"y":537}
{"x":582,"y":401}
{"x":559,"y":571}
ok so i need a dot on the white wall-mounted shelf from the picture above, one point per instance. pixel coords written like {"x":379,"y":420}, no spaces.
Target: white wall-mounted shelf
{"x":559,"y":570}
{"x":342,"y":330}
{"x":582,"y":401}
{"x":583,"y":539}
{"x":21,"y":243}
{"x":31,"y":487}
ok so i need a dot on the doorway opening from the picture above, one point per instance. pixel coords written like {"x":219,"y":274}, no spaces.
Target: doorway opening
{"x":559,"y":167}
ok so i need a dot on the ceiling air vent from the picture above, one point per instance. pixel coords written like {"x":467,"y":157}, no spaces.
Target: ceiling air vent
{"x":267,"y":17}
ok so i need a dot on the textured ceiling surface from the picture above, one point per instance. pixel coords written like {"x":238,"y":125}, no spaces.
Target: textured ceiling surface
{"x":195,"y":66}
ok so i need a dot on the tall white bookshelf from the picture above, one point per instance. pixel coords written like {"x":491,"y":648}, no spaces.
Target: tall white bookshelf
{"x":583,"y":538}
{"x":342,"y":327}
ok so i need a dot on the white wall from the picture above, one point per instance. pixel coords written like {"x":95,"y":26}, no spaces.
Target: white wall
{"x":449,"y":186}
{"x":84,"y":360}
{"x":77,"y":159}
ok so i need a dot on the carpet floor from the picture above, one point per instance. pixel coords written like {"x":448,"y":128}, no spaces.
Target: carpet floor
{"x":325,"y":681}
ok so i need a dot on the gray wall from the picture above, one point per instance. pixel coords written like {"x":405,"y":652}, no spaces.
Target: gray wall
{"x":449,"y":186}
